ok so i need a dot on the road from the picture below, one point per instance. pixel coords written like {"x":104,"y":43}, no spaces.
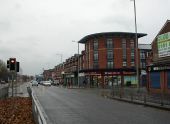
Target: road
{"x":75,"y":106}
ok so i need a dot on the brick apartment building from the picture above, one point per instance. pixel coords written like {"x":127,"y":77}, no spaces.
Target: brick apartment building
{"x":159,"y":62}
{"x":109,"y":58}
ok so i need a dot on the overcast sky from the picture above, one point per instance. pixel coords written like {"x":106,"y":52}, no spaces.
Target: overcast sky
{"x":34,"y":31}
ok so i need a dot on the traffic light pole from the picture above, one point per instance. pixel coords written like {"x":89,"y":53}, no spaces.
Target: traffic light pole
{"x":12,"y":84}
{"x":13,"y":66}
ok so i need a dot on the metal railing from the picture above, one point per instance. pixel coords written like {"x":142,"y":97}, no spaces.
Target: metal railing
{"x":4,"y":91}
{"x":135,"y":95}
{"x":38,"y":113}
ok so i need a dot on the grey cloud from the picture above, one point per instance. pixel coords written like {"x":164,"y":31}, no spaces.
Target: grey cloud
{"x":118,"y":22}
{"x":5,"y":26}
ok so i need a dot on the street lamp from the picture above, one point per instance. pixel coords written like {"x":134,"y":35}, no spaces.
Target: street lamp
{"x":77,"y":65}
{"x":136,"y":39}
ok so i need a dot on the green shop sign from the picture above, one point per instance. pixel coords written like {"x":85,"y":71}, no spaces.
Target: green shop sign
{"x":163,"y":42}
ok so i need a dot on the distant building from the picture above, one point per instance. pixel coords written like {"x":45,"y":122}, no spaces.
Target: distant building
{"x":39,"y":78}
{"x":144,"y":50}
{"x":47,"y":74}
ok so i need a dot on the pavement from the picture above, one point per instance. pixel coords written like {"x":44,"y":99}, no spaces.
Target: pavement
{"x":20,"y":90}
{"x":107,"y":94}
{"x":86,"y":106}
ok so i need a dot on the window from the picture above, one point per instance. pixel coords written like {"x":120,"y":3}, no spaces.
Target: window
{"x":95,"y":56}
{"x":143,"y":64}
{"x":132,"y":63}
{"x":124,"y":52}
{"x":110,"y":64}
{"x":95,"y":65}
{"x":142,"y":54}
{"x":132,"y":53}
{"x":124,"y":48}
{"x":132,"y":45}
{"x":95,"y":44}
{"x":109,"y":44}
{"x":110,"y":54}
{"x":124,"y":63}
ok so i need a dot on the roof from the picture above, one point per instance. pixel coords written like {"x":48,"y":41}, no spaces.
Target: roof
{"x":111,"y":34}
{"x":167,"y":21}
{"x":144,"y":46}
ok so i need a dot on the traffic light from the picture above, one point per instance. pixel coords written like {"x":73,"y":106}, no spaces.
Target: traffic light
{"x":17,"y":67}
{"x":12,"y":64}
{"x":7,"y":63}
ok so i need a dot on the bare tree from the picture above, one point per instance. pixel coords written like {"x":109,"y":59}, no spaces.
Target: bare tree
{"x":3,"y":71}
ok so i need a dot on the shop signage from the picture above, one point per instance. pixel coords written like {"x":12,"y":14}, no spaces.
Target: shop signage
{"x":158,"y":68}
{"x":163,"y":42}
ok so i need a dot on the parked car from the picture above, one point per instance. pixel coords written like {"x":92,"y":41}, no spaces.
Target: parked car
{"x":2,"y":82}
{"x":47,"y":83}
{"x":55,"y":83}
{"x":34,"y":83}
{"x":41,"y":82}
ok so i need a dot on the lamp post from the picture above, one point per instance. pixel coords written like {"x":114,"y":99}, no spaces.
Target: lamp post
{"x":136,"y":39}
{"x":77,"y":65}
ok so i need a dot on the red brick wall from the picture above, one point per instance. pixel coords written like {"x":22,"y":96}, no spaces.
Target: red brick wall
{"x":102,"y":52}
{"x":117,"y":52}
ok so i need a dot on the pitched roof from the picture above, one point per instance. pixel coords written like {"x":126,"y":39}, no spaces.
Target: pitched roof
{"x":166,"y":23}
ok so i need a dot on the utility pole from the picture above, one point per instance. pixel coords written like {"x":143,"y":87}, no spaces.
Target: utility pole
{"x":78,"y":67}
{"x":136,"y":39}
{"x":12,"y":84}
{"x":78,"y":83}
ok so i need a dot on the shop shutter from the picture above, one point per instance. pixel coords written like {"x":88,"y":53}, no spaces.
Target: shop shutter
{"x":168,"y":80}
{"x":155,"y":79}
